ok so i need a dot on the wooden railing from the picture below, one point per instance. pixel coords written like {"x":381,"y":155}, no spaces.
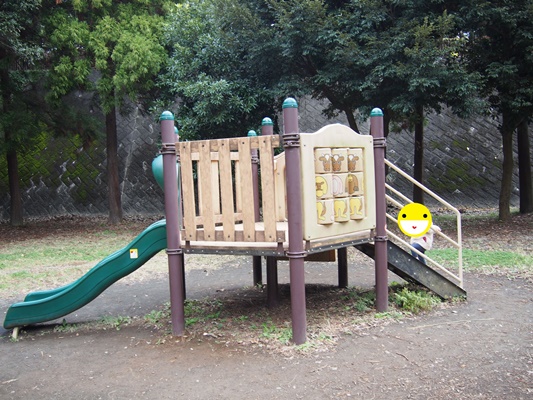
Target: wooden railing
{"x":217,"y":179}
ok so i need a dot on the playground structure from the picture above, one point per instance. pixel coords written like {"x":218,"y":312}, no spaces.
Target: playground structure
{"x":324,"y":193}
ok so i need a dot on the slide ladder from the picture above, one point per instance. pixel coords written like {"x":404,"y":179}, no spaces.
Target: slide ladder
{"x":410,"y":269}
{"x":435,"y":277}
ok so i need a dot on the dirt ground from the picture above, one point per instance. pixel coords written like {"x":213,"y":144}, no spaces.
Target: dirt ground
{"x":478,"y":349}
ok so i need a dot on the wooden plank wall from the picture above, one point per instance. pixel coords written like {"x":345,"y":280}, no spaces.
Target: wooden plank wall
{"x":217,"y":182}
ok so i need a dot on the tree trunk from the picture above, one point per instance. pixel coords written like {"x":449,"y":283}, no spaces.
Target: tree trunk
{"x":351,"y":120}
{"x":418,"y":169}
{"x":16,"y":215}
{"x":113,"y":183}
{"x":524,"y":168}
{"x":507,"y":130}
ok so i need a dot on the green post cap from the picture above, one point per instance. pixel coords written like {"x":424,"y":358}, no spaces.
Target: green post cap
{"x":166,"y":115}
{"x":176,"y":130}
{"x":376,"y":112}
{"x":267,"y":121}
{"x":290,"y":103}
{"x":252,"y":133}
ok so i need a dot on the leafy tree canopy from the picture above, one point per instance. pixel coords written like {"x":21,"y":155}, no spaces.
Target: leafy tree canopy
{"x":219,"y":68}
{"x":228,"y":54}
{"x":500,"y":47}
{"x":121,"y":41}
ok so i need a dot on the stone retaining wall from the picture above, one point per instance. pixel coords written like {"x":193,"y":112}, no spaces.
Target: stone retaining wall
{"x":463,"y":165}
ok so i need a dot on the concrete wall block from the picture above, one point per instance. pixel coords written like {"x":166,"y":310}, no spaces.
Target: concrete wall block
{"x":462,"y":164}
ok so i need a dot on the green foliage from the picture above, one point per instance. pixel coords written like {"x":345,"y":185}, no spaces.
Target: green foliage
{"x":499,"y":47}
{"x":358,"y":53}
{"x":360,"y":301}
{"x":414,"y":301}
{"x":157,"y":318}
{"x":215,"y":69}
{"x":122,"y":41}
{"x":116,"y":322}
{"x":19,"y":26}
{"x":202,"y":311}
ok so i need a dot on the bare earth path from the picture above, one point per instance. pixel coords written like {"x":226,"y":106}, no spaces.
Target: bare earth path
{"x":479,"y":349}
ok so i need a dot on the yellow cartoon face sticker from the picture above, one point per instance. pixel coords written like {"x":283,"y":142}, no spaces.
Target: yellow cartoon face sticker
{"x":414,"y":219}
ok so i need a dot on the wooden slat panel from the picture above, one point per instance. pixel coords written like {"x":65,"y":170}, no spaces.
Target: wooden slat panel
{"x":214,"y":145}
{"x":215,"y":186}
{"x":267,"y":187}
{"x":239,"y":237}
{"x":246,"y":183}
{"x":279,"y":182}
{"x":214,"y":155}
{"x":187,"y":190}
{"x":219,"y":219}
{"x":205,"y":188}
{"x":237,"y":186}
{"x":226,"y":186}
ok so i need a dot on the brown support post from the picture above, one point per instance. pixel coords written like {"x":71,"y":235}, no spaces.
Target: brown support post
{"x":296,"y":251}
{"x":267,"y":128}
{"x":174,"y":251}
{"x":380,"y":240}
{"x":180,"y":214}
{"x":256,"y":260}
{"x":342,"y":265}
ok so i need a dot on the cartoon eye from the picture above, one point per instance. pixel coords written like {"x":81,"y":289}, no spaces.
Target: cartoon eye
{"x":425,"y":215}
{"x":404,"y":215}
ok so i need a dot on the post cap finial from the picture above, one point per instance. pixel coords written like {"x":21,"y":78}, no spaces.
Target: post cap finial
{"x":376,"y":112}
{"x":266,"y":121}
{"x":166,"y":115}
{"x":251,"y":132}
{"x":290,"y":102}
{"x":176,"y":131}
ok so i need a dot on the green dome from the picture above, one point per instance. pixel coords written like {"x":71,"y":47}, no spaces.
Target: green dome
{"x":290,"y":103}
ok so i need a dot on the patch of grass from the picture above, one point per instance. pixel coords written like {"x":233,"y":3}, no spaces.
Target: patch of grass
{"x":66,"y":327}
{"x":360,"y":301}
{"x":485,"y":260}
{"x":52,"y":262}
{"x":414,"y":301}
{"x":202,"y":311}
{"x":158,"y":318}
{"x":115,"y":322}
{"x":332,"y":312}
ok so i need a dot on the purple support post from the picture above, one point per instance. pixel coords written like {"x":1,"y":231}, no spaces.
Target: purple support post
{"x":256,"y":260}
{"x":180,"y":216}
{"x":267,"y":128}
{"x":380,"y":240}
{"x":296,"y":251}
{"x":174,"y":251}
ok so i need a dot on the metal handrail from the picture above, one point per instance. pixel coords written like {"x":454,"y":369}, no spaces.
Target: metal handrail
{"x":457,"y":244}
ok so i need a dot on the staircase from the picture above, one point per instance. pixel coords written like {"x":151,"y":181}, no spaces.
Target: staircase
{"x":433,"y":276}
{"x":410,"y":269}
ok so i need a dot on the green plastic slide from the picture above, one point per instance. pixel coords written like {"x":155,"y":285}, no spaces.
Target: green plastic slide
{"x":51,"y":304}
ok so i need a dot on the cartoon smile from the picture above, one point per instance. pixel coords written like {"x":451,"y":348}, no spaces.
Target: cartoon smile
{"x":414,"y":227}
{"x":414,"y":219}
